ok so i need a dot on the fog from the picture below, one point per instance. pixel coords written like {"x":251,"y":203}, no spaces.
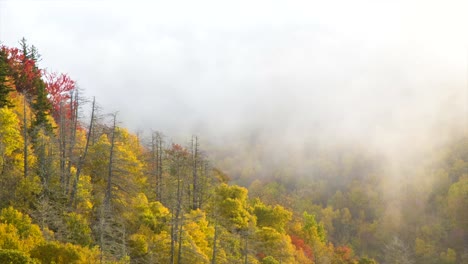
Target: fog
{"x":389,"y":75}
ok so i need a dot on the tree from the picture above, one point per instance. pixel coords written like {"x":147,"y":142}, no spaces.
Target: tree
{"x":275,"y":217}
{"x":117,"y":175}
{"x":10,"y":138}
{"x":344,"y":255}
{"x":313,"y":231}
{"x":17,"y":231}
{"x":47,"y":162}
{"x":41,"y":107}
{"x":197,"y":234}
{"x":67,"y":118}
{"x":16,"y":256}
{"x":11,"y":145}
{"x":232,"y":208}
{"x":27,"y":76}
{"x":195,"y":164}
{"x":366,"y":260}
{"x":396,"y":252}
{"x":457,"y":203}
{"x":22,"y":67}
{"x":77,"y":230}
{"x":53,"y":252}
{"x":314,"y":235}
{"x":178,"y":159}
{"x":5,"y":86}
{"x":232,"y":211}
{"x":270,"y":242}
{"x":304,"y":250}
{"x":448,"y":257}
{"x":270,"y":260}
{"x":25,"y":140}
{"x":82,"y":158}
{"x":60,"y":89}
{"x":156,"y":163}
{"x":112,"y":233}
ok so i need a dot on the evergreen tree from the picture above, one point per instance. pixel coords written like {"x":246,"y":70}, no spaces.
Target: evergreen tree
{"x":41,"y":107}
{"x":4,"y":72}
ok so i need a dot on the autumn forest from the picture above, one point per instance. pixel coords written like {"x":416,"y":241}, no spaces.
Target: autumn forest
{"x":77,"y":187}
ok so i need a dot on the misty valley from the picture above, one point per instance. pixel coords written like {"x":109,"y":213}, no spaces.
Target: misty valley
{"x":233,"y":132}
{"x":76,"y":187}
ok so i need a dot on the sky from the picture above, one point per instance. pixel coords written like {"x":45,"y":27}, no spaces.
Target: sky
{"x":387,"y":72}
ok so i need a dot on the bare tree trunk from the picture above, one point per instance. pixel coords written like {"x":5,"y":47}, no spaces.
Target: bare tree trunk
{"x":101,"y":234}
{"x":154,"y":159}
{"x":178,"y":204}
{"x":173,"y":237}
{"x":62,"y":145}
{"x":156,"y":163}
{"x":179,"y":256}
{"x":178,"y":210}
{"x":195,"y":202}
{"x":108,"y":194}
{"x":73,"y":127}
{"x":245,"y":234}
{"x":82,"y":157}
{"x":106,"y":218}
{"x":25,"y":139}
{"x":246,"y":252}
{"x":204,"y":183}
{"x":40,"y":151}
{"x":213,"y":258}
{"x":124,"y":238}
{"x":159,"y":165}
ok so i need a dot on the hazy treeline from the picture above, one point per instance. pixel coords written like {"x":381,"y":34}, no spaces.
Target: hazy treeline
{"x":369,"y":198}
{"x":78,"y":188}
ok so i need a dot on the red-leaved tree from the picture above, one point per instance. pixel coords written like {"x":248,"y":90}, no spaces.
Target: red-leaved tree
{"x":23,"y":69}
{"x":59,"y":88}
{"x":301,"y":245}
{"x":344,"y":253}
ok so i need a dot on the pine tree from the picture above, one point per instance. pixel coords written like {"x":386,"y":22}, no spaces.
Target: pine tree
{"x":41,"y":107}
{"x":4,"y":88}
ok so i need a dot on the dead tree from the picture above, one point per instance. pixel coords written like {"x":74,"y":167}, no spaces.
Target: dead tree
{"x":156,"y":163}
{"x":112,"y":231}
{"x":108,"y":193}
{"x":179,"y":158}
{"x":74,"y":107}
{"x":62,"y":144}
{"x":82,"y":157}
{"x":195,"y":154}
{"x":25,"y":139}
{"x":215,"y":238}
